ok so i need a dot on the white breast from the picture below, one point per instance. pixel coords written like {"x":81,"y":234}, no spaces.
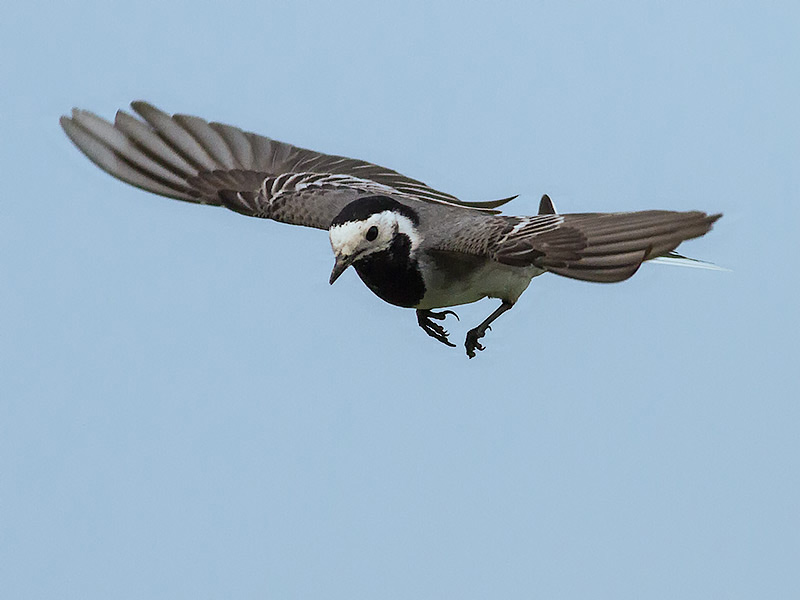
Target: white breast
{"x":490,"y":279}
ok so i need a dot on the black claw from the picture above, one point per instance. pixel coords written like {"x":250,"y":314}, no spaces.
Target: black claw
{"x":473,"y":335}
{"x":435,"y":330}
{"x":472,"y":343}
{"x":441,"y":315}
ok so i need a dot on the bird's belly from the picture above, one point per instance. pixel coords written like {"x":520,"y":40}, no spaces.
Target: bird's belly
{"x":488,"y":279}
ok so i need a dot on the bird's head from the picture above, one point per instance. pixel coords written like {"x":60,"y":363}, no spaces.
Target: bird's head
{"x":367,"y":226}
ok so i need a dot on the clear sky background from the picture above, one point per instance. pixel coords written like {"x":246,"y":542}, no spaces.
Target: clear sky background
{"x":189,"y":410}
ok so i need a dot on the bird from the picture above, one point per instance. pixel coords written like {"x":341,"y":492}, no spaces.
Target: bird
{"x":412,"y":245}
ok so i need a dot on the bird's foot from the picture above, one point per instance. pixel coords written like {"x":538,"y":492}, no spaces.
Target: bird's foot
{"x":435,"y":330}
{"x":472,"y":343}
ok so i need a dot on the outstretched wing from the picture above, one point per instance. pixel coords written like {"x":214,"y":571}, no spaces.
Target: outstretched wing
{"x":602,"y":247}
{"x":189,"y":159}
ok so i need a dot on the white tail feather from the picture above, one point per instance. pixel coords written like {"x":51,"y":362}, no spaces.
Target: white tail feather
{"x":676,"y":260}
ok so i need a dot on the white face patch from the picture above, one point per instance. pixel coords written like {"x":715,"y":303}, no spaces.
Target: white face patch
{"x":351,"y":238}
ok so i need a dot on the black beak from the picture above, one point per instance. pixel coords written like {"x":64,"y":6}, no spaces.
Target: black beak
{"x":339,"y":267}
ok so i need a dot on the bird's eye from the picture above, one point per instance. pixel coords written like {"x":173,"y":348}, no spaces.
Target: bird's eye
{"x":372,"y":233}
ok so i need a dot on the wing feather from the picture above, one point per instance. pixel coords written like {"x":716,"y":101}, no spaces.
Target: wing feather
{"x":237,"y":141}
{"x":110,"y":151}
{"x":187,"y":158}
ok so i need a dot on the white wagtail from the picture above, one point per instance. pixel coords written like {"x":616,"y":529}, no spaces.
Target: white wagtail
{"x":412,"y":245}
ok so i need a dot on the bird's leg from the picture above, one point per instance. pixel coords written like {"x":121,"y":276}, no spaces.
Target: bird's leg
{"x":435,"y":330}
{"x":473,"y":335}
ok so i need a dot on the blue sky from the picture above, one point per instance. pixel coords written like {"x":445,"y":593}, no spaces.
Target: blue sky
{"x":188,"y":409}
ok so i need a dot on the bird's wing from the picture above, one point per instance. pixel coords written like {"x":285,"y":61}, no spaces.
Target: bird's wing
{"x":603,"y":247}
{"x":187,"y":158}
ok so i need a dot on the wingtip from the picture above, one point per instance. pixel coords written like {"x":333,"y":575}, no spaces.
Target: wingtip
{"x":137,"y":104}
{"x":69,"y":123}
{"x":546,"y":206}
{"x":488,"y":205}
{"x":144,"y":108}
{"x":69,"y":119}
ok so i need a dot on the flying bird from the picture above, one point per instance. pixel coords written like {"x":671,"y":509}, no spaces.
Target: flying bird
{"x":413,"y":246}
